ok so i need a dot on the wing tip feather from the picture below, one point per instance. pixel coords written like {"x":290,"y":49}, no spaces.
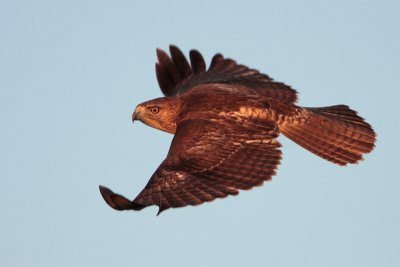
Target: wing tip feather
{"x":117,"y":201}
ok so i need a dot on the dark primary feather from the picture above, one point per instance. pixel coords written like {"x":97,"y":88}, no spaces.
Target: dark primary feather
{"x":197,"y":62}
{"x":175,"y":76}
{"x":180,"y":61}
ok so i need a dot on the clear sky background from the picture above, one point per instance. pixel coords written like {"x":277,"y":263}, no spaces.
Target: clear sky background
{"x":71,"y":73}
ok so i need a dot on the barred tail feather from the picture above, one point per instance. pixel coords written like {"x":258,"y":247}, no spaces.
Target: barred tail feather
{"x":334,"y":133}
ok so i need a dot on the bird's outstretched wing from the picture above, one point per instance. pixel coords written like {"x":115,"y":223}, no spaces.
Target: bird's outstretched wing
{"x":207,"y":160}
{"x":175,"y":75}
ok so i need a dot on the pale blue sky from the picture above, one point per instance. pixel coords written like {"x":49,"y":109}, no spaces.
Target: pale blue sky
{"x":72,"y":73}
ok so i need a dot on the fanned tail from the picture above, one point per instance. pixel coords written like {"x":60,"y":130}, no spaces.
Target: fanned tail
{"x":334,"y":133}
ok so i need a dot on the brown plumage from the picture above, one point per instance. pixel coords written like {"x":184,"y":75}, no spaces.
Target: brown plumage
{"x":226,"y":120}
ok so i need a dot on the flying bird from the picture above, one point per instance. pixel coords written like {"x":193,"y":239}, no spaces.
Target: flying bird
{"x":225,"y":121}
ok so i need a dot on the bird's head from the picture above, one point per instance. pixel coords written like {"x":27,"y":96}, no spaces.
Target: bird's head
{"x":159,"y":113}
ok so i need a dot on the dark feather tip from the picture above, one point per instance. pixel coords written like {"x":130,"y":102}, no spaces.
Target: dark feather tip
{"x":115,"y":201}
{"x":161,"y":209}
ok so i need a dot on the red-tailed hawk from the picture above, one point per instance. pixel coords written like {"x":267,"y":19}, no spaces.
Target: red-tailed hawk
{"x":226,"y":120}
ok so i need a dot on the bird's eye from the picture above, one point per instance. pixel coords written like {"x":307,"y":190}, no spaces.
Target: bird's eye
{"x":154,"y":110}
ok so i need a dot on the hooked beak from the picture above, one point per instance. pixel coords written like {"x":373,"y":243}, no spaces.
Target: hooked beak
{"x":136,"y":113}
{"x":134,"y":116}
